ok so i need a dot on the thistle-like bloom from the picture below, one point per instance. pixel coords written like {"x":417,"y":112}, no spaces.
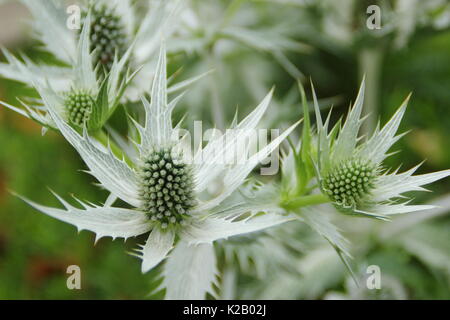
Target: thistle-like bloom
{"x":108,"y":35}
{"x":114,"y":29}
{"x":87,"y":101}
{"x":352,"y":174}
{"x":168,"y":193}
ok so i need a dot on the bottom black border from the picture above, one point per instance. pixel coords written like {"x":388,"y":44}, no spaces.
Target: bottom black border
{"x":226,"y":309}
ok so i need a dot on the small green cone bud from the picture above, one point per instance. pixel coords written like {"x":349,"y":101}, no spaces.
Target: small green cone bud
{"x":350,"y":182}
{"x":167,"y":187}
{"x":79,"y":106}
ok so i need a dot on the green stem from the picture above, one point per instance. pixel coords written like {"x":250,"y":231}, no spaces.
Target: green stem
{"x":101,"y":136}
{"x":231,"y":11}
{"x":304,"y":201}
{"x":370,"y":62}
{"x":217,"y":110}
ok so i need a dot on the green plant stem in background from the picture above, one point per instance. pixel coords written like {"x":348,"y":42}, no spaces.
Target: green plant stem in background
{"x":217,"y":109}
{"x":370,"y":62}
{"x":231,"y":10}
{"x":303,"y":201}
{"x":103,"y":138}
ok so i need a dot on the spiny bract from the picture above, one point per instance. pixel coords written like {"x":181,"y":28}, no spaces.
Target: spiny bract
{"x":167,"y":187}
{"x":79,"y":106}
{"x":350,"y":181}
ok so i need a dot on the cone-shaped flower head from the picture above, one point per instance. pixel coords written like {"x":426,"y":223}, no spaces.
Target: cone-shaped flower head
{"x":168,"y":191}
{"x":352,"y":175}
{"x":107,"y":34}
{"x":350,"y":182}
{"x":166,"y":187}
{"x":79,"y":106}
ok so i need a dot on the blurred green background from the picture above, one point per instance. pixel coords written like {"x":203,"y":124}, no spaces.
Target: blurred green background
{"x":35,"y":249}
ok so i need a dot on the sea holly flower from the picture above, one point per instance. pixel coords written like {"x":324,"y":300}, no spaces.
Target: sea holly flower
{"x":107,"y":33}
{"x":351,"y":174}
{"x":87,"y":102}
{"x":51,"y":27}
{"x":337,"y":170}
{"x":114,"y":30}
{"x":168,"y":193}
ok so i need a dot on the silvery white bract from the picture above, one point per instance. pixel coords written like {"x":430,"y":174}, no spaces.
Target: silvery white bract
{"x":168,"y":193}
{"x":312,"y":274}
{"x":87,"y":101}
{"x":352,"y":175}
{"x":259,"y":254}
{"x":203,"y":24}
{"x":237,"y":39}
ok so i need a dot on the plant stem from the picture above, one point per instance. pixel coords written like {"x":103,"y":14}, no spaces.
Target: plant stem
{"x":230,"y":12}
{"x":304,"y":201}
{"x":217,"y":110}
{"x":370,"y":62}
{"x":103,"y":138}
